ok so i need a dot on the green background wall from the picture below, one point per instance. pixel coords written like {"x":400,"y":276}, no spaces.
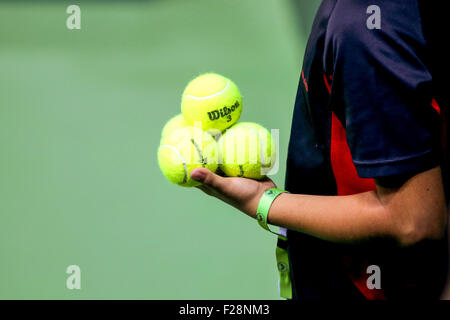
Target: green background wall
{"x":80,"y":118}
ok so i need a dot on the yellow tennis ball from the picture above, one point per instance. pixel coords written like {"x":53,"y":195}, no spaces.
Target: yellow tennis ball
{"x":185,"y":149}
{"x":174,"y":123}
{"x":213,"y":101}
{"x":247,"y":150}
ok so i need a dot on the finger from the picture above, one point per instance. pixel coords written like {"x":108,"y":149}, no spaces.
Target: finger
{"x":208,"y":178}
{"x":205,"y":189}
{"x":210,"y":191}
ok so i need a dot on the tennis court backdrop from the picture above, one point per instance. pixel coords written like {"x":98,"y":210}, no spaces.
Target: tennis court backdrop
{"x":80,"y":118}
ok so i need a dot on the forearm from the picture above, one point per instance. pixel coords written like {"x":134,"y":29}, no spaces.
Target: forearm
{"x":351,"y":218}
{"x":407,"y":214}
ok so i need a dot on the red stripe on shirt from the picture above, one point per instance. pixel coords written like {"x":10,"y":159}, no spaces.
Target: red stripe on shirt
{"x":441,"y":112}
{"x":347,"y":179}
{"x":327,"y":83}
{"x":304,"y":81}
{"x":348,"y":182}
{"x":436,"y":106}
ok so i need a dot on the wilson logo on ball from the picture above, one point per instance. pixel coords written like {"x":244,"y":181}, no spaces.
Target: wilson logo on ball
{"x":224,"y":112}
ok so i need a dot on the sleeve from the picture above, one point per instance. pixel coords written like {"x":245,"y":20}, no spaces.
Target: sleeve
{"x":382,"y":88}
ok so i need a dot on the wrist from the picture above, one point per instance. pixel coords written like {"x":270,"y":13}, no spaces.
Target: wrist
{"x":272,"y":214}
{"x":252,"y":205}
{"x":254,"y":210}
{"x":265,"y":203}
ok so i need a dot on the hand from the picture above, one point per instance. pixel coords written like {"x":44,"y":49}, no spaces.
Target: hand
{"x":241,"y":193}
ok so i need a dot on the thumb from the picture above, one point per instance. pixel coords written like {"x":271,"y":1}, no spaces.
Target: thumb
{"x":208,"y":178}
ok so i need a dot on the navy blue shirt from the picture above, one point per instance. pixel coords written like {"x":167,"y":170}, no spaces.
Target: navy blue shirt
{"x":366,"y":108}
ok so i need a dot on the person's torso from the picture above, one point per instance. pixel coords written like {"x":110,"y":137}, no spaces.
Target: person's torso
{"x":320,"y":163}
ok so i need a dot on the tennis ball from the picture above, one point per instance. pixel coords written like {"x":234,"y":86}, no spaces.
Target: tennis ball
{"x":213,"y":101}
{"x":247,"y":150}
{"x":184,"y":150}
{"x":176,"y":122}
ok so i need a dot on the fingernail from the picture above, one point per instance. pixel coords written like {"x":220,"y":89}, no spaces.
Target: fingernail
{"x":198,"y":175}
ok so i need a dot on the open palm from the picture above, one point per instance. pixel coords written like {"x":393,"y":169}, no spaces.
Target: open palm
{"x":241,"y":193}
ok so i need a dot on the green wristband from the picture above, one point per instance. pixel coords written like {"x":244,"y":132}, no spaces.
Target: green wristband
{"x":264,"y":206}
{"x":282,"y":256}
